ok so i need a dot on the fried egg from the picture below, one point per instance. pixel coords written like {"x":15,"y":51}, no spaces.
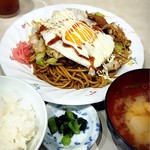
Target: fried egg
{"x":70,"y":33}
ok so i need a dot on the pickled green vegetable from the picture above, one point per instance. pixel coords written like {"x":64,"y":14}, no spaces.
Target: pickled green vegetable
{"x":52,"y":125}
{"x":66,"y":140}
{"x":70,"y":115}
{"x":74,"y":126}
{"x":67,"y":124}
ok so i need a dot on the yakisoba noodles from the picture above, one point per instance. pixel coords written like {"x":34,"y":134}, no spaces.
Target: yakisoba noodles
{"x":75,"y":49}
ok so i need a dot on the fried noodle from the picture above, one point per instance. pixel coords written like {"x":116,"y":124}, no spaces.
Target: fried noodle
{"x":71,"y":75}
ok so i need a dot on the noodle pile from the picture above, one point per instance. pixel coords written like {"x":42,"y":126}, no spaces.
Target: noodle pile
{"x":68,"y":77}
{"x":68,"y":74}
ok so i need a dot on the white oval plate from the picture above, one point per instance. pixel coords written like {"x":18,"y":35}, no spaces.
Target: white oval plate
{"x":49,"y":93}
{"x":81,"y":141}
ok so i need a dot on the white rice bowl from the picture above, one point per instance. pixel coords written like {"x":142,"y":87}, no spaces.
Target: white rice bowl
{"x":13,"y":91}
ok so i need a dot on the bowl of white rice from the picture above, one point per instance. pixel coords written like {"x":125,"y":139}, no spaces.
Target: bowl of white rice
{"x":23,"y":115}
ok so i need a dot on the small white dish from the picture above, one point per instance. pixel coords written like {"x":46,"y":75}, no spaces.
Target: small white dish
{"x":81,"y":141}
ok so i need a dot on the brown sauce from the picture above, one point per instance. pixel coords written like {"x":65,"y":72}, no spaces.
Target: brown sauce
{"x":42,"y":28}
{"x":54,"y":40}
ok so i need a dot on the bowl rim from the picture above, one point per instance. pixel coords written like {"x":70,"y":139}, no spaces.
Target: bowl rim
{"x":43,"y":105}
{"x":106,"y":108}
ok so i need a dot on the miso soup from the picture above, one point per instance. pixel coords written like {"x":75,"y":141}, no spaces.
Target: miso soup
{"x":130,"y":115}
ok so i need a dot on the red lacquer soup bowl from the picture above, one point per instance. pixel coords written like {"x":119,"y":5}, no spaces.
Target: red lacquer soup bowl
{"x":127,"y":106}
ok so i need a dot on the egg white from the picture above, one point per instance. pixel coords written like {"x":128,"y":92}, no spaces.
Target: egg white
{"x":101,"y":48}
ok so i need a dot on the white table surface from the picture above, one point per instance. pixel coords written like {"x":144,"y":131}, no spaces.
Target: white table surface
{"x":134,"y":12}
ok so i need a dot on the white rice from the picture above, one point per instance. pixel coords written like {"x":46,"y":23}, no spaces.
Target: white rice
{"x":17,"y":124}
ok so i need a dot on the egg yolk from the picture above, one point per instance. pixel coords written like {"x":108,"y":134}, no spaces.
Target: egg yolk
{"x":80,"y":33}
